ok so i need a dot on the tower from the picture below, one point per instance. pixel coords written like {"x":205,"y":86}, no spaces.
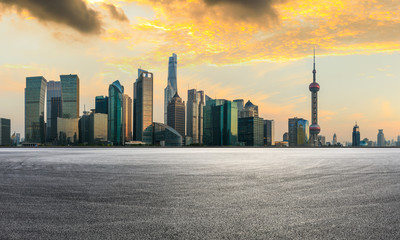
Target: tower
{"x":314,"y":128}
{"x":356,"y":136}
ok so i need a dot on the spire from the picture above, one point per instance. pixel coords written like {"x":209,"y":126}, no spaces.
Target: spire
{"x":314,"y":70}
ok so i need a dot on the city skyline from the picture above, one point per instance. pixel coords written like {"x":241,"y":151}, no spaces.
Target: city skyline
{"x":278,"y":84}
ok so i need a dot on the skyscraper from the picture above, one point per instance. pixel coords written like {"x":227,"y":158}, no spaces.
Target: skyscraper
{"x":334,"y":139}
{"x":381,"y":138}
{"x":356,"y":136}
{"x":68,"y":130}
{"x":220,"y":122}
{"x":35,"y":93}
{"x":314,"y":128}
{"x":251,"y":131}
{"x":101,"y":104}
{"x":70,"y":95}
{"x":172,"y":85}
{"x":176,"y":114}
{"x":142,"y":103}
{"x":5,"y":132}
{"x":298,"y":132}
{"x":127,"y":116}
{"x":54,"y":109}
{"x":239,"y":103}
{"x":194,"y":123}
{"x":249,"y":110}
{"x":269,"y":132}
{"x":84,"y":125}
{"x":115,"y":117}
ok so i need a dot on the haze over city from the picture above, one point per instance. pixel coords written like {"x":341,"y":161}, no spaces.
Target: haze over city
{"x":259,"y":51}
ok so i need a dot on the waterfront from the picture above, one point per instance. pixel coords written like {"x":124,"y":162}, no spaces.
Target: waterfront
{"x":199,"y":193}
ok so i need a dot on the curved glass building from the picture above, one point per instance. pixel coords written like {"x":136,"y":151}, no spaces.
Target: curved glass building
{"x":162,"y":135}
{"x":115,"y":118}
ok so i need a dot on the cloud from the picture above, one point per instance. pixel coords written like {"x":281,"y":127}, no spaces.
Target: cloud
{"x":116,"y":13}
{"x":73,"y":13}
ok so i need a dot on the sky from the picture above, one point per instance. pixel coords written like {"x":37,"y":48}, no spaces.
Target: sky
{"x":258,"y":50}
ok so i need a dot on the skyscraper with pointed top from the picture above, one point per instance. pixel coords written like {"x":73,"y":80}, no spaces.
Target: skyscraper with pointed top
{"x":356,"y":136}
{"x":172,"y":85}
{"x":314,"y":128}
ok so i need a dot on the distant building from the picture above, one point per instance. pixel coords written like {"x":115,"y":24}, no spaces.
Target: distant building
{"x":68,"y":130}
{"x":176,"y":114}
{"x":195,"y":116}
{"x":127,"y":117}
{"x":16,"y":139}
{"x":142,"y":104}
{"x":5,"y":132}
{"x":239,"y":103}
{"x":356,"y":136}
{"x":101,"y":104}
{"x":172,"y":85}
{"x":54,"y":109}
{"x":98,"y":125}
{"x":251,"y":131}
{"x":285,"y":137}
{"x":115,"y":117}
{"x":70,"y":95}
{"x":220,"y":123}
{"x":298,"y":132}
{"x":322,"y":140}
{"x":160,"y":134}
{"x":35,"y":94}
{"x":381,"y":139}
{"x":249,"y":110}
{"x":269,"y":132}
{"x":84,"y":125}
{"x":334,"y":139}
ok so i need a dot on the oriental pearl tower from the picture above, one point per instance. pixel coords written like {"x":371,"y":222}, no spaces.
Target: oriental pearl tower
{"x":314,"y":128}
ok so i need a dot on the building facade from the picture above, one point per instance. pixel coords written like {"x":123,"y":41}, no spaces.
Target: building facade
{"x":176,"y":114}
{"x":68,"y":131}
{"x":194,"y":118}
{"x":84,"y":125}
{"x":160,"y":134}
{"x":35,"y":94}
{"x":356,"y":136}
{"x":70,"y":95}
{"x":381,"y":138}
{"x":251,"y":131}
{"x":98,"y":125}
{"x":5,"y":132}
{"x":269,"y":132}
{"x":127,"y":116}
{"x":220,"y":123}
{"x":249,"y":110}
{"x":298,"y":132}
{"x":172,"y":83}
{"x":54,"y":109}
{"x":115,"y":116}
{"x":142,"y":103}
{"x":101,"y":104}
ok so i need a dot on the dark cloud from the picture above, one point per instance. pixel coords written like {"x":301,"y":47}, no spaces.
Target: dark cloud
{"x":117,"y":14}
{"x":73,"y":13}
{"x":249,"y":8}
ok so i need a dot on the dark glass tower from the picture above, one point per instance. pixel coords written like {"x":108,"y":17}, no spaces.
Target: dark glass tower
{"x":142,"y":103}
{"x":356,"y":136}
{"x":115,"y":118}
{"x":176,"y":114}
{"x":70,"y":95}
{"x":172,"y":84}
{"x":35,"y":93}
{"x":314,"y":128}
{"x":101,"y":104}
{"x":54,"y":109}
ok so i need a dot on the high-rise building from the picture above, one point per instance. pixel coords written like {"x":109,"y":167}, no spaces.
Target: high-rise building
{"x":35,"y":94}
{"x":220,"y":123}
{"x":70,"y":95}
{"x":334,"y":139}
{"x":249,"y":110}
{"x":239,"y":103}
{"x":98,"y":125}
{"x":285,"y":137}
{"x":356,"y":136}
{"x":160,"y":134}
{"x":54,"y":109}
{"x":172,"y":85}
{"x":115,"y":116}
{"x":314,"y":128}
{"x":5,"y":132}
{"x":142,"y":103}
{"x":251,"y":131}
{"x":381,"y":139}
{"x":194,"y":112}
{"x":68,"y":130}
{"x":15,"y":139}
{"x":269,"y":132}
{"x":176,"y":114}
{"x":127,"y":116}
{"x":84,"y":125}
{"x":101,"y":104}
{"x":298,"y":132}
{"x":322,"y":140}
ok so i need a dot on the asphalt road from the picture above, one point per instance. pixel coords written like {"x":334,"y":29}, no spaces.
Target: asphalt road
{"x":200,"y":193}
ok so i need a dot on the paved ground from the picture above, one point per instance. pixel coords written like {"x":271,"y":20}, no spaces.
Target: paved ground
{"x":199,"y":194}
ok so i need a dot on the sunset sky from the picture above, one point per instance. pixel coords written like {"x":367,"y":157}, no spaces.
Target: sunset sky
{"x":252,"y":49}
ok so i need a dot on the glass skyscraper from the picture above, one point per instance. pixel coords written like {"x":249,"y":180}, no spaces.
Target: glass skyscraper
{"x":101,"y":104}
{"x":172,"y":85}
{"x":68,"y":130}
{"x":160,"y":134}
{"x":70,"y":95}
{"x":142,"y":103}
{"x":298,"y":132}
{"x":5,"y":132}
{"x":127,"y":115}
{"x":194,"y":116}
{"x":220,"y":123}
{"x":98,"y":128}
{"x":356,"y":136}
{"x":35,"y":93}
{"x":54,"y":109}
{"x":269,"y":132}
{"x":115,"y":117}
{"x":176,"y":114}
{"x":251,"y":131}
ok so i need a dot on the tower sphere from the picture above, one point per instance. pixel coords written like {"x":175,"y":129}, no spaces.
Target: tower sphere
{"x":314,"y":87}
{"x":315,"y":129}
